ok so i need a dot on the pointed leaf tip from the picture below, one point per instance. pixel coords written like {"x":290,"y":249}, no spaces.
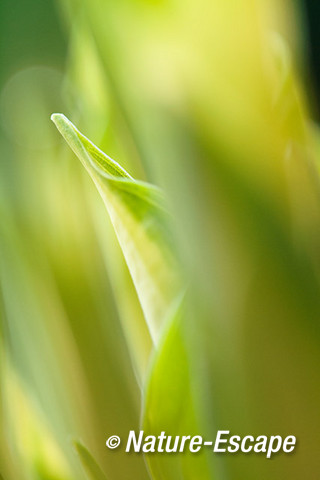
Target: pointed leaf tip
{"x":89,"y":464}
{"x":89,"y":154}
{"x":138,"y":213}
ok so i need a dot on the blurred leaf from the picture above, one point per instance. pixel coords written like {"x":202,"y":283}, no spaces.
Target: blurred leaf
{"x":30,"y":440}
{"x":40,"y":350}
{"x":138,"y":213}
{"x":67,"y":346}
{"x":90,"y":466}
{"x":170,"y":407}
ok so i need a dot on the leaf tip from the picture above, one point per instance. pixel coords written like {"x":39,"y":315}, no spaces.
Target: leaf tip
{"x":59,"y":120}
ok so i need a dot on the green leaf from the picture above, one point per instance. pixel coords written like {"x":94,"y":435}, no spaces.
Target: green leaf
{"x":140,"y":219}
{"x":170,"y":407}
{"x":89,"y":464}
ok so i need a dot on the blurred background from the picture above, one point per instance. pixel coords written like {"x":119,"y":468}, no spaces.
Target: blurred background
{"x":177,"y":92}
{"x":66,"y":372}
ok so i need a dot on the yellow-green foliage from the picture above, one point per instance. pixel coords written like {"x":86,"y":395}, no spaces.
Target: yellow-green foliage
{"x":196,"y":308}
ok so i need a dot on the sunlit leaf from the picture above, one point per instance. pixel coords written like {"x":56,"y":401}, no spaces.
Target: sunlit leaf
{"x":138,"y":213}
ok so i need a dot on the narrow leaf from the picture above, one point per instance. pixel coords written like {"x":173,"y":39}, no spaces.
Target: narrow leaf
{"x":140,"y":219}
{"x":89,"y":464}
{"x":170,"y":379}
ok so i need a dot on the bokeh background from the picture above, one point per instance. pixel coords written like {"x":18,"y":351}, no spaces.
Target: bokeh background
{"x":217,"y":104}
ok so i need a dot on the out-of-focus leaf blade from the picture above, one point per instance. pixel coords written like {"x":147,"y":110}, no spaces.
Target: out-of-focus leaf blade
{"x":40,"y":456}
{"x":170,"y":408}
{"x":90,"y":466}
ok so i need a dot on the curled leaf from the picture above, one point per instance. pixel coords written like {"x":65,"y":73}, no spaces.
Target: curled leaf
{"x":140,"y":219}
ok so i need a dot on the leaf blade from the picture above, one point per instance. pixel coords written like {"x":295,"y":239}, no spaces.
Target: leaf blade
{"x":89,"y":464}
{"x":141,"y":221}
